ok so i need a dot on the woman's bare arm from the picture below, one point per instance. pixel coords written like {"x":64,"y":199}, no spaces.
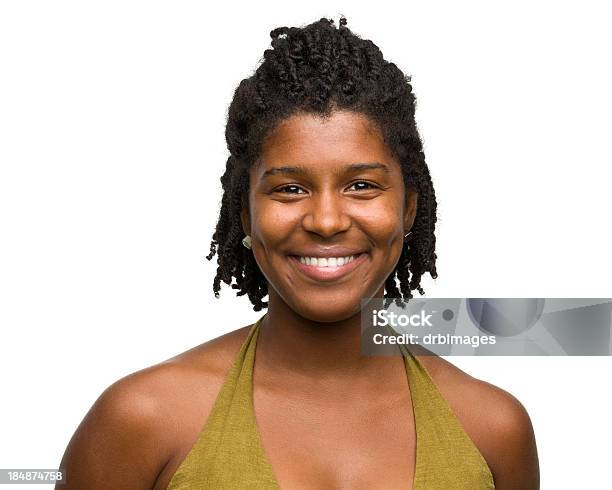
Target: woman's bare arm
{"x":120,"y":443}
{"x":517,"y":465}
{"x":509,"y":442}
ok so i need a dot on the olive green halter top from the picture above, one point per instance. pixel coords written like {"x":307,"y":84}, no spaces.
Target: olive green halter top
{"x":228,"y":453}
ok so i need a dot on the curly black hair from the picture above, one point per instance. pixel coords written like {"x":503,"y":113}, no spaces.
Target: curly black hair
{"x":316,"y":69}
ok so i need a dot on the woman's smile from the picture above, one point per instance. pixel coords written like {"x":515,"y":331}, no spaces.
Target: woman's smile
{"x":327,"y":268}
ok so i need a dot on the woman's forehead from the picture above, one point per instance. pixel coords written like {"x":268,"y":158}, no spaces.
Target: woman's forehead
{"x":343,"y":136}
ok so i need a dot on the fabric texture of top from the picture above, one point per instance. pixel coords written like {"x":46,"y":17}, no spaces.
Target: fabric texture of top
{"x":228,"y":453}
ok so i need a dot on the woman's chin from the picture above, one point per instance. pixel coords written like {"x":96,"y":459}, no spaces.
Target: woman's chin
{"x":328,"y":309}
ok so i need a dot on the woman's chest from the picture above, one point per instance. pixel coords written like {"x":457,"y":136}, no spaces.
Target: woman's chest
{"x":339,"y":443}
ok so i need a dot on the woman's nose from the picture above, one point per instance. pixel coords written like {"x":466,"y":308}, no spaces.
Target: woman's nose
{"x":326,"y":214}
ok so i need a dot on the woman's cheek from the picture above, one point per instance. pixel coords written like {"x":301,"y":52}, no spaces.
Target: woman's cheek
{"x":381,"y":222}
{"x":273,"y":223}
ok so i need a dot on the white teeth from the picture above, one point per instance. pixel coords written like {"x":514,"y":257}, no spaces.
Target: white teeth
{"x":326,"y":261}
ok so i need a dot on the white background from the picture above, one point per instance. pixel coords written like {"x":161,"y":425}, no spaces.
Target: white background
{"x":111,"y":148}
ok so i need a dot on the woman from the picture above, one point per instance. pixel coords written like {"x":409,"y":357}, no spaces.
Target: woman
{"x":327,"y":200}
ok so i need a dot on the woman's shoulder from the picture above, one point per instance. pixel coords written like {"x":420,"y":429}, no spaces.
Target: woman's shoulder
{"x":496,"y":421}
{"x":180,"y":391}
{"x":144,"y":421}
{"x":194,"y":372}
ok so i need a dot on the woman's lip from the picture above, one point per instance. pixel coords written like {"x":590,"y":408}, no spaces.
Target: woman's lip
{"x":328,"y":273}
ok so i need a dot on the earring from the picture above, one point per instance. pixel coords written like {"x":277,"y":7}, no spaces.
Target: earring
{"x":246,"y":241}
{"x":407,"y":234}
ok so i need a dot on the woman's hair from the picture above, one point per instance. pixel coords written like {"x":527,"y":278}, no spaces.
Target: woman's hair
{"x":317,"y":69}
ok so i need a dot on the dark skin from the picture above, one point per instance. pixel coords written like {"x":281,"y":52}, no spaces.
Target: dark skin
{"x":310,"y":382}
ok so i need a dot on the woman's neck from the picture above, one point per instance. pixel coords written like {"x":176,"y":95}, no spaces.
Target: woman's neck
{"x":289,"y":344}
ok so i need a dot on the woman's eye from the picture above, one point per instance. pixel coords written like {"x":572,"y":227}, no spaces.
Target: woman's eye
{"x":362,"y":182}
{"x":284,"y":191}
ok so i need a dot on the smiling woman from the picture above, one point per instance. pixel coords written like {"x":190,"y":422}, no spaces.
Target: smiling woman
{"x":327,"y":200}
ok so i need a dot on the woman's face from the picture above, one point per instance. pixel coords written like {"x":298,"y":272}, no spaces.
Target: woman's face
{"x":327,"y":188}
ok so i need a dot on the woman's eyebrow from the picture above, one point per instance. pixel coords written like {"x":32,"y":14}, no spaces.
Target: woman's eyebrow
{"x":297,"y":169}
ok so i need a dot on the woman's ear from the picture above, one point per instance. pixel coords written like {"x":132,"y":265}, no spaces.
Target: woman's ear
{"x":246,"y":221}
{"x":410,"y":209}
